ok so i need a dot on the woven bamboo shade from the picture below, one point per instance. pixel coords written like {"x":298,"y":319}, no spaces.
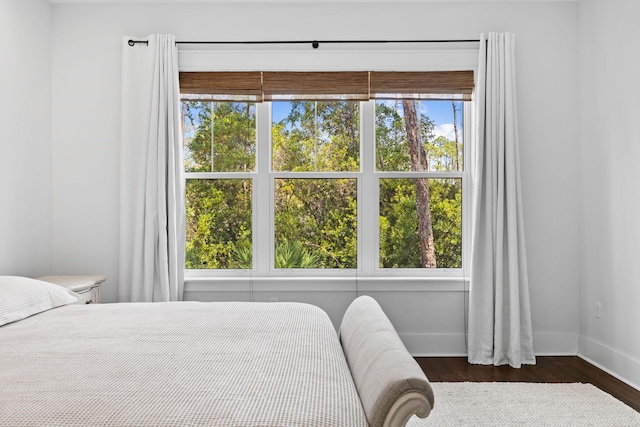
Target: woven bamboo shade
{"x":315,"y":85}
{"x":453,"y":85}
{"x":222,"y":86}
{"x":358,"y":85}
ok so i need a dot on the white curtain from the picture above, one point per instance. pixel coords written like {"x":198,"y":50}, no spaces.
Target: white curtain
{"x":152,"y":217}
{"x":499,"y":308}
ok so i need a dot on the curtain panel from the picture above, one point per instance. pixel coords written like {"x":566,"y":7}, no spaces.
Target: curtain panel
{"x":500,"y":329}
{"x":152,"y":216}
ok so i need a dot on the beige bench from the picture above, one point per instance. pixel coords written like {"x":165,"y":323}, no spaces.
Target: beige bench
{"x":391,"y":384}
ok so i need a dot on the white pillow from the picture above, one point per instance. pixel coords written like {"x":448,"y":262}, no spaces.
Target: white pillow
{"x":22,"y":297}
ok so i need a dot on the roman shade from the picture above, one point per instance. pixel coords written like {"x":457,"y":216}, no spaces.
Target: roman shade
{"x":315,"y":85}
{"x":260,"y":86}
{"x":221,"y":86}
{"x":449,"y":85}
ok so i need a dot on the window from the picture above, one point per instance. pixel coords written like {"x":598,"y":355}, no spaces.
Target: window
{"x":366,"y":176}
{"x":315,"y":154}
{"x":420,"y":218}
{"x":220,"y":148}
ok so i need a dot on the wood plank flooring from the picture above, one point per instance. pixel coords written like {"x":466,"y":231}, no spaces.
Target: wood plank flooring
{"x":558,"y":369}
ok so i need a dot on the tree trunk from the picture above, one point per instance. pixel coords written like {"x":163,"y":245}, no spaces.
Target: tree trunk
{"x":419,"y":163}
{"x":246,"y":143}
{"x":455,"y":129}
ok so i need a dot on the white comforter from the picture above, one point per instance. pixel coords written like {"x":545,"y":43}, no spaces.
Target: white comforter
{"x":176,"y":364}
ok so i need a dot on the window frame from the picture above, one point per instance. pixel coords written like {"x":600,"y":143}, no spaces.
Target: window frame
{"x":368,"y":183}
{"x":431,"y":57}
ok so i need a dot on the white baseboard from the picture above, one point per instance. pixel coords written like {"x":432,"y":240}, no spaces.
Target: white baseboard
{"x":613,"y":362}
{"x":555,"y":344}
{"x":451,"y":345}
{"x":434,"y":345}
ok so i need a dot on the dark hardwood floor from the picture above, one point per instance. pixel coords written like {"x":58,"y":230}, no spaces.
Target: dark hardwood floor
{"x":548,"y":369}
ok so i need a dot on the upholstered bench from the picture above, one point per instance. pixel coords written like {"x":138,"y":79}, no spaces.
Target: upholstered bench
{"x":391,"y":384}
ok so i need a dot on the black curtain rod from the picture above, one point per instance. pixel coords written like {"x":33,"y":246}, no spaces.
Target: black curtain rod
{"x":314,"y":43}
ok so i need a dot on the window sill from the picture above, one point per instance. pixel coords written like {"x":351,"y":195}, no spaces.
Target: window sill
{"x":326,"y":284}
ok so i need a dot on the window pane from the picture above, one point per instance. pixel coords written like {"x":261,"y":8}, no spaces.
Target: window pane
{"x":437,"y":128}
{"x":218,"y":223}
{"x":420,"y":223}
{"x":316,"y":136}
{"x":219,"y":136}
{"x":315,"y":223}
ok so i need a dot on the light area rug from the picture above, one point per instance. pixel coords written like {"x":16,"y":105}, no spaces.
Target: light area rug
{"x":525,"y":404}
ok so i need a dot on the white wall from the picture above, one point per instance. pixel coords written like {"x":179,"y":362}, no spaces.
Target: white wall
{"x":25,"y":137}
{"x":610,"y":185}
{"x":86,"y":130}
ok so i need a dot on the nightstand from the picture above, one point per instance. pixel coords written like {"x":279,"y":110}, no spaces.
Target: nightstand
{"x":88,"y":287}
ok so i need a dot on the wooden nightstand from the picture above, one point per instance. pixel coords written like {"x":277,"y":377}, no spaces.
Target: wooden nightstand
{"x":88,"y":287}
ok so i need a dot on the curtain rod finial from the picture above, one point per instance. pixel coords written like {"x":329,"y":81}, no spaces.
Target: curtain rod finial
{"x":134,"y":42}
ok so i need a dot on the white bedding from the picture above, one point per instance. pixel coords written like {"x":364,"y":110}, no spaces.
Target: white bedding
{"x":176,"y":364}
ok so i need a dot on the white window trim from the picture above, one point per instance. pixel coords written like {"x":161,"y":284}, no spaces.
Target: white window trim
{"x":411,"y":58}
{"x":368,"y":179}
{"x":202,"y":283}
{"x":263,"y":277}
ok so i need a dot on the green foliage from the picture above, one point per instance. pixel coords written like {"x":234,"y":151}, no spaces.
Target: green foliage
{"x":318,"y":213}
{"x":315,"y":220}
{"x":218,"y":216}
{"x":399,"y":240}
{"x":243,"y":255}
{"x":392,"y":150}
{"x":294,"y":255}
{"x":322,"y":214}
{"x":233,"y":146}
{"x":318,"y":136}
{"x":446,"y":214}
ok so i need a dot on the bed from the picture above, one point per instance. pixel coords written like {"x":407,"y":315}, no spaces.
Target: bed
{"x":199,"y":364}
